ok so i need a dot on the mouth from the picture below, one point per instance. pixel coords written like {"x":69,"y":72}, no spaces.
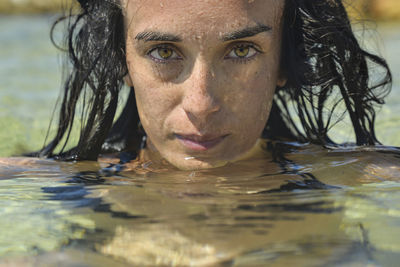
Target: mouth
{"x":200,"y":142}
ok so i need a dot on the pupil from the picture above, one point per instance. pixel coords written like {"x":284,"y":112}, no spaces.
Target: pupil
{"x":165,"y":53}
{"x":242,"y":51}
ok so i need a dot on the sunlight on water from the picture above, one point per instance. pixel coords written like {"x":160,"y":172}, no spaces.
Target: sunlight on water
{"x":35,"y":223}
{"x":341,"y":209}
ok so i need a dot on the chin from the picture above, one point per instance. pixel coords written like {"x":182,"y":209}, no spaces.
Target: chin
{"x":196,"y":164}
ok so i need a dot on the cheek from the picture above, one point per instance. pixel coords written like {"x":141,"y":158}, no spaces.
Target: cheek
{"x":155,"y":102}
{"x":254,"y":91}
{"x":166,"y":73}
{"x":153,"y":97}
{"x":253,"y":102}
{"x":156,"y":97}
{"x":264,"y":94}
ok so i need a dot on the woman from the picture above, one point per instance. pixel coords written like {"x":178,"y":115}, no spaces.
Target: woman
{"x":210,"y":79}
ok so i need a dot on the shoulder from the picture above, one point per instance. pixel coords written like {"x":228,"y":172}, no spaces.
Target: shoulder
{"x":22,"y":161}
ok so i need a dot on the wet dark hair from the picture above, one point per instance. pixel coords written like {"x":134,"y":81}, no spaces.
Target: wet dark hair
{"x":323,"y":61}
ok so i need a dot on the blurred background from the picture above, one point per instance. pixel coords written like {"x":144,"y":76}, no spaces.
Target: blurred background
{"x":377,"y":9}
{"x":31,"y":73}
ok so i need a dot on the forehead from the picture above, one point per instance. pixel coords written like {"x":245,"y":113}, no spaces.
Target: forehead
{"x":200,"y":16}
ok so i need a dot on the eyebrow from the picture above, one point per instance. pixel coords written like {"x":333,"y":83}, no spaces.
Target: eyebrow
{"x":149,"y":36}
{"x":157,"y":36}
{"x":246,"y":32}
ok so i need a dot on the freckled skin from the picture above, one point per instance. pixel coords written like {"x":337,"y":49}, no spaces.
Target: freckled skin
{"x":206,"y":89}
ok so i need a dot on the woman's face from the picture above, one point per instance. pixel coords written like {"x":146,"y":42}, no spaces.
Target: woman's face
{"x":204,"y":74}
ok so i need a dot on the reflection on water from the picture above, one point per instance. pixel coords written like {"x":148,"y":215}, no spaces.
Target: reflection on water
{"x":299,"y":205}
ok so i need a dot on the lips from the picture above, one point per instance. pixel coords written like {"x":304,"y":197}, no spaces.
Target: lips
{"x":200,"y":143}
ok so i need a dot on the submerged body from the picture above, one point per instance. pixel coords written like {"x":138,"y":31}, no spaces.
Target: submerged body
{"x":305,"y":206}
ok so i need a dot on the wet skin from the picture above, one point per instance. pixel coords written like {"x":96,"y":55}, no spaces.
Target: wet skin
{"x":204,"y":75}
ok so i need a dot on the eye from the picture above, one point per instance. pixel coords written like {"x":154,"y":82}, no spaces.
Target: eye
{"x":163,"y":54}
{"x":244,"y":51}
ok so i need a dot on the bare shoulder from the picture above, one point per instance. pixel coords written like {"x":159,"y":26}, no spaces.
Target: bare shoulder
{"x":383,"y":165}
{"x":23,"y":161}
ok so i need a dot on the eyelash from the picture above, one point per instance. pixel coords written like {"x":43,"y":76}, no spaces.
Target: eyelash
{"x":243,"y":59}
{"x":163,"y":61}
{"x":178,"y":57}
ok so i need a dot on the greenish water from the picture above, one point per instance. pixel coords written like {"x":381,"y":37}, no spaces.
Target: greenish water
{"x":311,"y":207}
{"x":304,"y":206}
{"x":30,"y":78}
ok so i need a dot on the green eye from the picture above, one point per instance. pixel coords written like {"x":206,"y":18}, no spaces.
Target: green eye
{"x":241,"y":51}
{"x":163,"y":54}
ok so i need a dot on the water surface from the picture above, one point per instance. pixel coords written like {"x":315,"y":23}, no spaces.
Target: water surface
{"x":303,"y":206}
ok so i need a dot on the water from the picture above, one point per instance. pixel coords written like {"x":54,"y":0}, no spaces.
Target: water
{"x":313,"y":208}
{"x":303,"y":207}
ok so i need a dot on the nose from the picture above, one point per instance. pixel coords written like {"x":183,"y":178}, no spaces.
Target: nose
{"x":200,"y":93}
